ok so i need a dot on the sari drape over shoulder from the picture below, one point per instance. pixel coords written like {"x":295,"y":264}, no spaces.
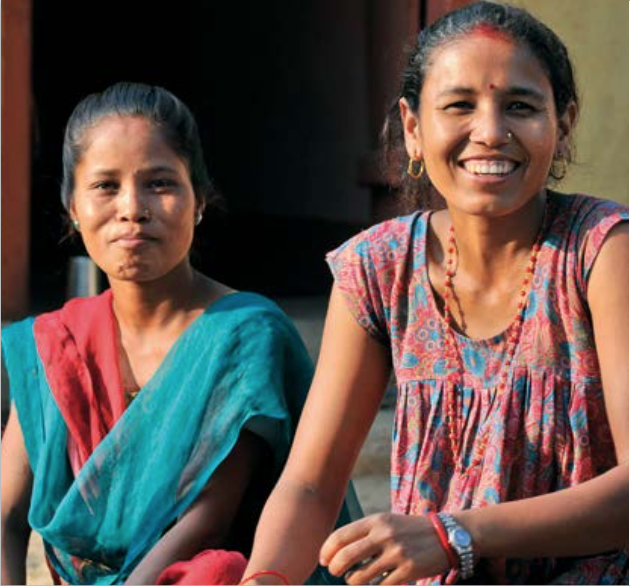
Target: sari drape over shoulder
{"x":109,"y":480}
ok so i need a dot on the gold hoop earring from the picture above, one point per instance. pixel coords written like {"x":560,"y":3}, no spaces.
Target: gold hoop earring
{"x":413,"y":173}
{"x":559,"y":168}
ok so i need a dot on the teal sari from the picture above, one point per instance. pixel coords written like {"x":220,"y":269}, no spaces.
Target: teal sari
{"x":240,"y":366}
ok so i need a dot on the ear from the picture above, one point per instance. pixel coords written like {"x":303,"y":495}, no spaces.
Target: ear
{"x":200,"y":208}
{"x":411,"y":128}
{"x":566,"y":124}
{"x":72,"y":210}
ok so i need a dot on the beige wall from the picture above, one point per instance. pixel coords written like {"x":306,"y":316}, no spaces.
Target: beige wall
{"x":596,"y":35}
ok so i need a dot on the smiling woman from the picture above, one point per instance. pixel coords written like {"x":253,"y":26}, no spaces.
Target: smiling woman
{"x":147,"y":424}
{"x":504,"y":317}
{"x":487,"y":127}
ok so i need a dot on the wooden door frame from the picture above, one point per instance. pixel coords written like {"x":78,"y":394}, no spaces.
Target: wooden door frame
{"x":16,"y":156}
{"x":392,"y":26}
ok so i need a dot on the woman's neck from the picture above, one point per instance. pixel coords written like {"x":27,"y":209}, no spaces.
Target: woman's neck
{"x":142,"y":306}
{"x":487,"y":246}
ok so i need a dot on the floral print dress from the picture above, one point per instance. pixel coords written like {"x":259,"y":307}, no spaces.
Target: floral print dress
{"x":546,"y":432}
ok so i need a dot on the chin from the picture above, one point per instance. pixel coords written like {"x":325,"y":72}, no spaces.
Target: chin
{"x":492,"y":205}
{"x":135,"y":272}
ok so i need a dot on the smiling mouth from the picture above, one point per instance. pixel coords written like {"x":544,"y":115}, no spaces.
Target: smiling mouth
{"x":490,"y":167}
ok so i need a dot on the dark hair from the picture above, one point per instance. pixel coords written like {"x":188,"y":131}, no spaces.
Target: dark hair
{"x":154,"y":103}
{"x":515,"y":23}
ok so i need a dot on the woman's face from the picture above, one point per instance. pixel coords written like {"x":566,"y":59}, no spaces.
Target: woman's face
{"x":487,"y":126}
{"x":133,"y":200}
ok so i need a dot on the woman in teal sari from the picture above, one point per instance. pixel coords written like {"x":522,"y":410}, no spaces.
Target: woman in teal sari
{"x":149,"y":423}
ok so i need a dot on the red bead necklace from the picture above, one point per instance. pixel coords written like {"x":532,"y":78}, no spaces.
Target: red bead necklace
{"x":453,"y":414}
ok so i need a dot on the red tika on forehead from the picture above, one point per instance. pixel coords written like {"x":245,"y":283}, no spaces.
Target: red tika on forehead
{"x":485,"y":29}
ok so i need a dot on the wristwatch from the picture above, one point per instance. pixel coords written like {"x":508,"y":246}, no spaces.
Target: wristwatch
{"x":461,"y":541}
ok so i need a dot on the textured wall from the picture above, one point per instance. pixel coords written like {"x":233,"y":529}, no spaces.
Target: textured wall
{"x":596,"y":35}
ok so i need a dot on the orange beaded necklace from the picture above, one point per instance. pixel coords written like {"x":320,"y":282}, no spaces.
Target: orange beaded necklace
{"x":453,"y":414}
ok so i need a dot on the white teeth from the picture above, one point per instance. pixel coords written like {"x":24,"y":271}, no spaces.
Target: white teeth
{"x":489,"y":167}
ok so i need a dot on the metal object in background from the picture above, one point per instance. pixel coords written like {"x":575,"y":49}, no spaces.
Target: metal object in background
{"x":83,"y":277}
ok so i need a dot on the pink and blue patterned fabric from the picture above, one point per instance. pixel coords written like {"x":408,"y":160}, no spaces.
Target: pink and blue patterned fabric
{"x":548,"y":432}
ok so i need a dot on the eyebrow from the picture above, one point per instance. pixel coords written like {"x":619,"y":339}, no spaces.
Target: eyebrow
{"x":525,"y":92}
{"x":516,"y":90}
{"x":147,"y":170}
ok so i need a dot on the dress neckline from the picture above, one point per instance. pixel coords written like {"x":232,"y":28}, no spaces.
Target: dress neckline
{"x":432,"y":294}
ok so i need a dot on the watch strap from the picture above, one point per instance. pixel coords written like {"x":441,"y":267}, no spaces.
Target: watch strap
{"x":465,"y":553}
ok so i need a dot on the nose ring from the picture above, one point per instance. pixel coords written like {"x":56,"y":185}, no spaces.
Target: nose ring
{"x":509,"y":135}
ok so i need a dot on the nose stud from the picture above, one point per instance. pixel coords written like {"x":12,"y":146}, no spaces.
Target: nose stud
{"x":509,"y":135}
{"x":146,"y":212}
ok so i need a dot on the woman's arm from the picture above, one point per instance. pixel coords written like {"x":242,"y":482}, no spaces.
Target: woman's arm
{"x":586,"y":519}
{"x":591,"y":517}
{"x":349,"y":383}
{"x":207,"y":522}
{"x":16,"y":481}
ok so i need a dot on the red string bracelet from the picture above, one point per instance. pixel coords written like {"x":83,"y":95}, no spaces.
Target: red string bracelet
{"x":282,"y":577}
{"x":443,"y":537}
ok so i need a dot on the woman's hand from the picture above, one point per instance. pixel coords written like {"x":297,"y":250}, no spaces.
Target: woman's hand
{"x":385,"y":549}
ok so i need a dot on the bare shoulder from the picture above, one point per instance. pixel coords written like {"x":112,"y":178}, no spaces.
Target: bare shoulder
{"x":612,"y":258}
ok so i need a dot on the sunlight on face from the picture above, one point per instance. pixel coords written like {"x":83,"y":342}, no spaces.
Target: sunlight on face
{"x":487,"y":128}
{"x":133,"y":199}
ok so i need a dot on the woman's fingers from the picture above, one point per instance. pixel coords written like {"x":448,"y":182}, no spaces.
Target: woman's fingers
{"x":372,"y":572}
{"x":385,"y":549}
{"x":354,"y":557}
{"x":342,"y":537}
{"x":398,"y":576}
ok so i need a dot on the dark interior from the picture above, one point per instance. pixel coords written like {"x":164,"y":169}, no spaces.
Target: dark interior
{"x":256,"y":77}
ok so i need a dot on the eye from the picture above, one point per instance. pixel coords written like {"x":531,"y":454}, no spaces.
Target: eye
{"x":160,"y":184}
{"x":106,"y":186}
{"x":460,"y":106}
{"x":521,"y":108}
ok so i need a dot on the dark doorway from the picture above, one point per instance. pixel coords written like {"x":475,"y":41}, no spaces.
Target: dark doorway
{"x":279,"y":91}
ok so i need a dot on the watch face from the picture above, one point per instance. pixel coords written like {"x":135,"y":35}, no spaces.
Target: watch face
{"x":461,"y":538}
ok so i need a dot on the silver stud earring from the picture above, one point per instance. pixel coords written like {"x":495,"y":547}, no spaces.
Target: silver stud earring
{"x":76,"y":225}
{"x":198,"y":218}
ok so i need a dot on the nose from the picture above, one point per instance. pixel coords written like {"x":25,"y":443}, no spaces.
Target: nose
{"x":490,"y":128}
{"x":133,"y":205}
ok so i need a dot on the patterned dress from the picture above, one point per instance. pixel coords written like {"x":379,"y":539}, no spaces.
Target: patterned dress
{"x":549,"y":431}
